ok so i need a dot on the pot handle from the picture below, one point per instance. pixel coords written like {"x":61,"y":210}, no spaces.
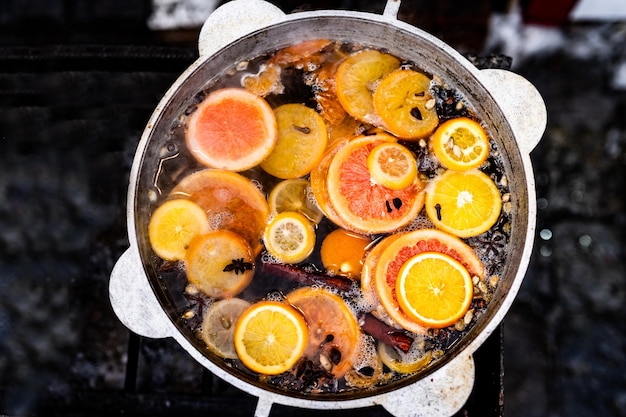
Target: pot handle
{"x":133,"y":300}
{"x":441,"y":394}
{"x":521,"y":103}
{"x":233,"y":20}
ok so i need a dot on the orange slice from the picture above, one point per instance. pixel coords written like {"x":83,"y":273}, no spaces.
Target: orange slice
{"x":231,"y":201}
{"x":232,"y":129}
{"x":218,"y":326}
{"x":357,"y":77}
{"x":173,"y":225}
{"x":342,"y":252}
{"x":368,"y":281}
{"x":460,"y":144}
{"x":465,"y":203}
{"x":302,"y":138}
{"x":293,"y":195}
{"x":265,"y":82}
{"x":434,"y":289}
{"x":361,"y":204}
{"x":290,"y":237}
{"x":270,"y":337}
{"x":220,"y":264}
{"x":333,"y":329}
{"x":405,"y":105}
{"x":392,"y":165}
{"x":404,"y":247}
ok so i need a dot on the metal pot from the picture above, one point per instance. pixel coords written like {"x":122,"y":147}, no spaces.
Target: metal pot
{"x":244,"y":29}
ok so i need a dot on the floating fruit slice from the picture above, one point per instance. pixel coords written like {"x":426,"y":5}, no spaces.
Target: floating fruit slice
{"x":173,"y":225}
{"x":231,"y":201}
{"x":265,"y":82}
{"x":319,"y":184}
{"x":342,"y":252}
{"x":232,"y":129}
{"x":333,"y":329}
{"x":356,"y":79}
{"x":290,"y":237}
{"x":392,"y":165}
{"x":302,"y":138}
{"x":270,"y":337}
{"x":293,"y":195}
{"x":368,"y":281}
{"x":220,"y":263}
{"x":218,"y":326}
{"x":404,"y":363}
{"x":407,"y":245}
{"x":434,"y":289}
{"x":460,"y":144}
{"x":403,"y":102}
{"x":463,"y":203}
{"x":362,"y":205}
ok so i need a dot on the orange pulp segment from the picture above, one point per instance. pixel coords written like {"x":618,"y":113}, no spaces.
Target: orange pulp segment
{"x":293,"y":195}
{"x":290,"y":237}
{"x":173,"y":225}
{"x":218,"y":326}
{"x":232,"y":129}
{"x":342,"y":252}
{"x":434,"y":289}
{"x":464,"y":203}
{"x":392,"y":165}
{"x":356,"y":79}
{"x":220,"y":264}
{"x":270,"y":337}
{"x":333,"y":329}
{"x":460,"y":144}
{"x":231,"y":201}
{"x":405,"y":105}
{"x":302,"y":138}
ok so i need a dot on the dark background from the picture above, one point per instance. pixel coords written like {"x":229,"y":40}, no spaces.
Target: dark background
{"x":80,"y":78}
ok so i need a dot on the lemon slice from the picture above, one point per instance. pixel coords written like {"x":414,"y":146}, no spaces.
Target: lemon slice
{"x":392,"y":165}
{"x":290,"y":237}
{"x":434,"y":289}
{"x":460,"y":144}
{"x":403,"y":363}
{"x":270,"y":337}
{"x":293,"y":195}
{"x":463,"y":203}
{"x":218,"y":326}
{"x":173,"y":225}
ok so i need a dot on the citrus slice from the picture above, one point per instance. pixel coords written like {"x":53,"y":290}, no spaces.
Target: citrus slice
{"x":405,"y":105}
{"x":404,"y":247}
{"x":265,"y":82}
{"x":361,"y":204}
{"x":356,"y":80}
{"x":293,"y":195}
{"x":231,"y":201}
{"x":302,"y":138}
{"x":173,"y":225}
{"x":460,"y":144}
{"x":218,"y":326}
{"x":368,"y":271}
{"x":342,"y":252}
{"x":434,"y":289}
{"x":404,"y":363}
{"x":270,"y":337}
{"x":392,"y":165}
{"x":220,"y":263}
{"x":232,"y":129}
{"x":333,"y":329}
{"x":464,"y":203}
{"x":290,"y":237}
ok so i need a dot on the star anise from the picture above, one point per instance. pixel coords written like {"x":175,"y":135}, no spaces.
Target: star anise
{"x":238,"y":266}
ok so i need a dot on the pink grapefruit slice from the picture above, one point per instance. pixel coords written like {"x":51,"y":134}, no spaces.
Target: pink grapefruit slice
{"x":232,"y":129}
{"x":361,"y":204}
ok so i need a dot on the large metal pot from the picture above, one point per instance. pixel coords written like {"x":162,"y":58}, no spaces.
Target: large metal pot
{"x":244,"y":29}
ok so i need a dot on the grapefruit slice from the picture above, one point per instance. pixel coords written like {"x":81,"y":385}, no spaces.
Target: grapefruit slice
{"x":231,"y":201}
{"x":405,"y":247}
{"x":363,"y":205}
{"x":232,"y":129}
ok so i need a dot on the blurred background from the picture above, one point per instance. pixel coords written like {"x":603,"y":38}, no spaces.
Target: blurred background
{"x":78,"y":82}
